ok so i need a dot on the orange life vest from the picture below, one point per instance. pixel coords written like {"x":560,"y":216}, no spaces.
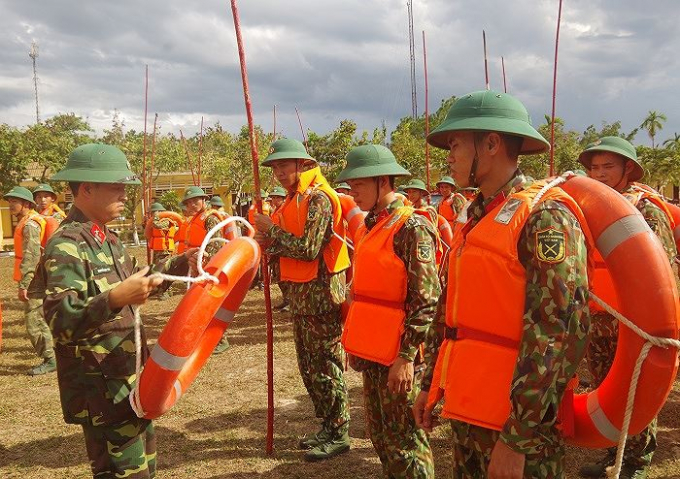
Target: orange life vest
{"x":266,"y":210}
{"x":163,"y":240}
{"x":52,"y":210}
{"x":180,"y":236}
{"x":603,"y":286}
{"x":195,"y":228}
{"x":446,"y":208}
{"x":375,"y":321}
{"x":19,"y":239}
{"x":478,"y":356}
{"x":292,"y":217}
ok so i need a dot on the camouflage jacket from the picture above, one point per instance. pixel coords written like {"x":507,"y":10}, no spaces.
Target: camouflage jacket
{"x":327,"y":291}
{"x":31,"y":250}
{"x":423,"y":288}
{"x":94,"y":344}
{"x":457,"y":202}
{"x":556,"y":322}
{"x":657,"y":221}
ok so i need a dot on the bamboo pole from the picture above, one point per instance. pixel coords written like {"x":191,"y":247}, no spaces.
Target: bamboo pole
{"x":486,"y":62}
{"x":505,"y":84}
{"x":153,"y":155}
{"x":302,"y":130}
{"x":200,"y":154}
{"x":427,"y":116}
{"x":145,"y":193}
{"x":189,"y":162}
{"x":258,"y":199}
{"x":554,"y":95}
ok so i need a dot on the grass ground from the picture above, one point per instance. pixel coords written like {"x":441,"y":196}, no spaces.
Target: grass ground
{"x":217,"y":430}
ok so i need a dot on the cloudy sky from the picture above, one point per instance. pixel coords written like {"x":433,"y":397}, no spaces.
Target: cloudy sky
{"x":334,"y":59}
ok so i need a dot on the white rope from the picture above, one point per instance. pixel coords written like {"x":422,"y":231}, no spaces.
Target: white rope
{"x":135,"y":401}
{"x":614,"y":471}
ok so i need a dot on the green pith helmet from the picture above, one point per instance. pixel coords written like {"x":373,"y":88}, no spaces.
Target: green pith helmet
{"x":279,"y":191}
{"x":194,"y":192}
{"x":286,"y":149}
{"x":371,"y":161}
{"x":263,"y":194}
{"x":97,"y":163}
{"x":21,"y":193}
{"x":156,"y":207}
{"x":416,"y":184}
{"x":447,"y":180}
{"x":342,"y":186}
{"x":216,"y":201}
{"x":489,"y":110}
{"x":617,"y":145}
{"x":44,"y":188}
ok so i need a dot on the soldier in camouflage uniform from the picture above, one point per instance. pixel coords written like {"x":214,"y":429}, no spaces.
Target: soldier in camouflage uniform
{"x":389,"y":391}
{"x":613,"y":161}
{"x":452,"y":202}
{"x":417,"y":193}
{"x":167,"y":226}
{"x":484,"y":133}
{"x":90,"y":286}
{"x":46,"y":198}
{"x":314,"y":303}
{"x":27,"y":248}
{"x":343,"y":188}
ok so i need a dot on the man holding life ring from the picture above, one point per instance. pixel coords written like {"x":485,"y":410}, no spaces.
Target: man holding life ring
{"x":613,"y":161}
{"x":394,"y":296}
{"x":517,"y":320}
{"x":307,"y":236}
{"x":90,"y":285}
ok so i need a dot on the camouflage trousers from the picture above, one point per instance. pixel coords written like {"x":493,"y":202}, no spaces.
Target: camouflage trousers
{"x":125,"y":450}
{"x":158,"y":256}
{"x":604,"y":333}
{"x":38,"y":331}
{"x":403,"y":448}
{"x":320,"y":358}
{"x":472,"y":447}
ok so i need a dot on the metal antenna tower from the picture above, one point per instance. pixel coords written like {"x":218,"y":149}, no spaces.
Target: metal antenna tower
{"x":412,"y":48}
{"x":34,"y":55}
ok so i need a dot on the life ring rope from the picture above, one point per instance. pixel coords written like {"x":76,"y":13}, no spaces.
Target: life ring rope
{"x":135,"y":400}
{"x":609,"y":240}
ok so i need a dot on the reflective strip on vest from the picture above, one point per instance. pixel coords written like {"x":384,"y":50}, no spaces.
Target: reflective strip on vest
{"x":166,"y":360}
{"x":444,"y":226}
{"x":352,"y":213}
{"x":600,"y":419}
{"x":224,"y":315}
{"x":620,"y":231}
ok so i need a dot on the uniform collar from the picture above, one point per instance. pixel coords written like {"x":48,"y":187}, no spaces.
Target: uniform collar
{"x":373,"y":219}
{"x":481,"y":205}
{"x":309,"y":178}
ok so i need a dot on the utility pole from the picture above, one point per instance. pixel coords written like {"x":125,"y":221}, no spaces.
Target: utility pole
{"x":412,"y":49}
{"x":34,"y":56}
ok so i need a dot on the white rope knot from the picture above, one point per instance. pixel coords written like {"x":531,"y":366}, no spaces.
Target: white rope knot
{"x":614,"y":471}
{"x":135,"y":401}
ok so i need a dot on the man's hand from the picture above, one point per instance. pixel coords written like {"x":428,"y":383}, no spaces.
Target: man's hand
{"x":134,"y":290}
{"x":262,"y":222}
{"x":23,"y":295}
{"x":400,"y":376}
{"x":192,"y":257}
{"x":422,"y":413}
{"x":505,"y":463}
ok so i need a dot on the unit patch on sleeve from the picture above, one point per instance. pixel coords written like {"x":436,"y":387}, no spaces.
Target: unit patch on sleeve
{"x":424,"y":252}
{"x":550,"y":246}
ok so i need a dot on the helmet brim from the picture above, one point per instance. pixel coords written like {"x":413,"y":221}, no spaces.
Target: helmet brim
{"x":372,"y":171}
{"x":90,"y":176}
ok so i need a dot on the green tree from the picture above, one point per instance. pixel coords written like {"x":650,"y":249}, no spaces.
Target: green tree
{"x":12,"y":162}
{"x":653,"y":124}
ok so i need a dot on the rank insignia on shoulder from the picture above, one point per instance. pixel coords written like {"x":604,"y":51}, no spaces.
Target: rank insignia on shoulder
{"x":424,"y":252}
{"x":508,"y":211}
{"x":98,"y":234}
{"x":550,"y":246}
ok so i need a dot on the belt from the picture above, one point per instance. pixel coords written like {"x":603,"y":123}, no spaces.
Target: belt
{"x":380,"y":302}
{"x":458,"y":334}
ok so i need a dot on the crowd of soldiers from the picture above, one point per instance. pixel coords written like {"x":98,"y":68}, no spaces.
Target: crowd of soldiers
{"x":422,"y":317}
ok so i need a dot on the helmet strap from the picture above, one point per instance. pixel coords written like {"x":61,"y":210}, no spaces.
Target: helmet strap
{"x":472,"y":178}
{"x":377,"y":193}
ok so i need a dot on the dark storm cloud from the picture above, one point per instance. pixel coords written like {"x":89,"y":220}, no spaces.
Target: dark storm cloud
{"x":334,"y":59}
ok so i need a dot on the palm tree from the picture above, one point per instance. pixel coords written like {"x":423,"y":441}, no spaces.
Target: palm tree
{"x":653,"y":124}
{"x":673,"y":144}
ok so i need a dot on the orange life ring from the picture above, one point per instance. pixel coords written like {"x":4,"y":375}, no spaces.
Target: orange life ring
{"x":675,"y":211}
{"x":644,"y":283}
{"x":352,"y":214}
{"x":196,"y":327}
{"x":445,"y":231}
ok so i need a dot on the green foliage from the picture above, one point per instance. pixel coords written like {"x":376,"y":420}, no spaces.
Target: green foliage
{"x":653,"y":124}
{"x":12,"y":163}
{"x":170,"y":199}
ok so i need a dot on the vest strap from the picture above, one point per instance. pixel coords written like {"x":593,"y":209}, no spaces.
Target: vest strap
{"x":458,"y":334}
{"x":380,"y":302}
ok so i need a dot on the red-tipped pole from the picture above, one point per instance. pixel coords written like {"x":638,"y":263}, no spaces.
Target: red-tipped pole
{"x":145,"y":193}
{"x":265,"y":266}
{"x":200,"y":154}
{"x":486,"y":62}
{"x":554,"y":95}
{"x":302,"y":130}
{"x":505,"y":83}
{"x":153,"y":156}
{"x":427,"y":117}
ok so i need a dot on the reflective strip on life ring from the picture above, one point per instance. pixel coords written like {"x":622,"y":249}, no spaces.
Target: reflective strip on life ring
{"x":196,"y":326}
{"x":645,"y":286}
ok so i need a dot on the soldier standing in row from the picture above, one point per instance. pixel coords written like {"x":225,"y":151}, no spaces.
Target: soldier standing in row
{"x":613,"y":161}
{"x":517,"y":320}
{"x":452,"y":203}
{"x":91,"y":285}
{"x":45,"y":199}
{"x":160,"y":233}
{"x":393,"y":301}
{"x":417,"y":193}
{"x":307,"y":236}
{"x":217,"y":204}
{"x":29,"y":234}
{"x":343,"y":188}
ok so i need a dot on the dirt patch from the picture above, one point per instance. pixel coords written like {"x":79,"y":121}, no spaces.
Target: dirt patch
{"x":217,"y":430}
